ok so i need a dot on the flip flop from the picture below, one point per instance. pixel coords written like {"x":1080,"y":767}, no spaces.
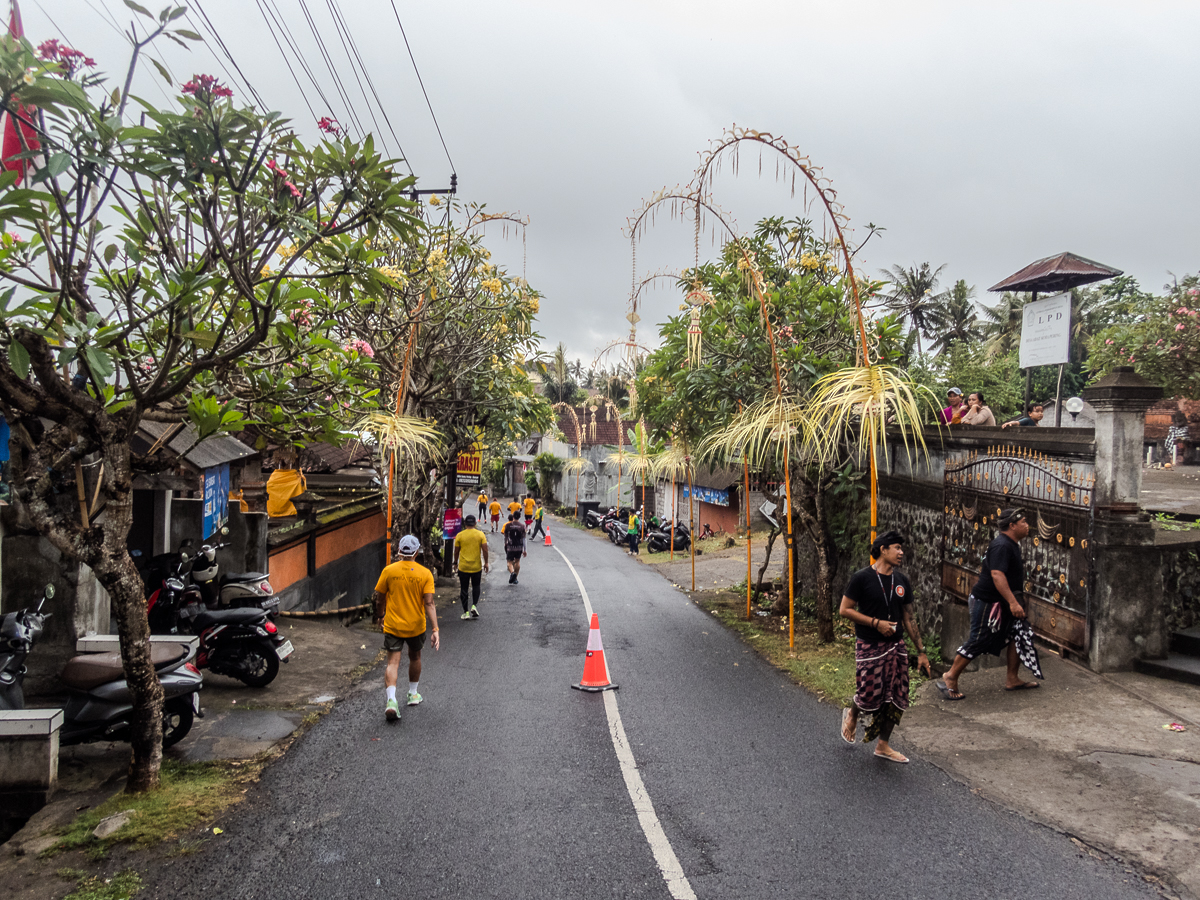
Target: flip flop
{"x":842,"y":730}
{"x":946,"y":693}
{"x":902,"y":758}
{"x":1024,"y":686}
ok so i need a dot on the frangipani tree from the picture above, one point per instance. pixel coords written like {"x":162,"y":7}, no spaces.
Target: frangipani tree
{"x":145,"y":286}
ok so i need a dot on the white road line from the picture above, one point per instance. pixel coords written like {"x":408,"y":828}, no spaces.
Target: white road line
{"x":664,"y":856}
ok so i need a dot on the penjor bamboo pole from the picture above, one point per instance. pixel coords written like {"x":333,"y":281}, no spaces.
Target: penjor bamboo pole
{"x":749,"y":534}
{"x":401,"y":396}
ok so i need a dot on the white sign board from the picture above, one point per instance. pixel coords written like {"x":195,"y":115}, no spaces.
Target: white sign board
{"x":1046,"y":332}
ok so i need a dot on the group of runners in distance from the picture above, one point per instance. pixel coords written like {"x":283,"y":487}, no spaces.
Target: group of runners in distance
{"x":404,"y":593}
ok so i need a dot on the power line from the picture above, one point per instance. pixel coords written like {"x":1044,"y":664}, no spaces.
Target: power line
{"x":337,"y":81}
{"x":294,"y":45}
{"x":287,"y":62}
{"x":217,"y":57}
{"x":337,"y":27}
{"x":337,"y":9}
{"x":421,"y":82}
{"x":213,"y":30}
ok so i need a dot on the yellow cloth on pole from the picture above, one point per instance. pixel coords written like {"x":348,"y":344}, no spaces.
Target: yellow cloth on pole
{"x":282,"y":486}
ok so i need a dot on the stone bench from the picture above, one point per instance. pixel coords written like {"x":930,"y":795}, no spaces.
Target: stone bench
{"x":106,"y":643}
{"x":28,"y":759}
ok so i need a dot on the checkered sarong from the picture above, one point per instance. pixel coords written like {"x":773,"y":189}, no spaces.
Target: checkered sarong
{"x":881,"y":672}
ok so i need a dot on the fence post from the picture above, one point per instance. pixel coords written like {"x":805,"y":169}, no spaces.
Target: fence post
{"x":1126,"y":615}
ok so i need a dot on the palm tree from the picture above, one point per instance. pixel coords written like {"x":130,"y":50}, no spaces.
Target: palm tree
{"x":956,"y":317}
{"x":559,"y":385}
{"x":912,"y":295}
{"x":1002,"y":324}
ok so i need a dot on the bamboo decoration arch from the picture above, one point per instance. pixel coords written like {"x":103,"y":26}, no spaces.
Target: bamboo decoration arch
{"x":577,"y":464}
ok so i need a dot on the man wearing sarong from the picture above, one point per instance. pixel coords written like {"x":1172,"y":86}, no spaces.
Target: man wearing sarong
{"x":877,"y":600}
{"x":997,"y":616}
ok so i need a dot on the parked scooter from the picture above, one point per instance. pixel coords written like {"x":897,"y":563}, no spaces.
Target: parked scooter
{"x":659,"y":540}
{"x":99,"y":706}
{"x":232,"y":590}
{"x":241,"y":643}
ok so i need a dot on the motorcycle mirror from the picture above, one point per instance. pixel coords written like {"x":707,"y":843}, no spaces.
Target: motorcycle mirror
{"x":49,"y":592}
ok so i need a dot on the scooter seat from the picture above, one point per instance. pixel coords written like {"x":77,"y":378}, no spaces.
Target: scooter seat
{"x":229,"y":617}
{"x":91,"y":670}
{"x":240,"y":577}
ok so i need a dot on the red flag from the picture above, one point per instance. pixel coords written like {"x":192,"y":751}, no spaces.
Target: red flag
{"x":12,"y":144}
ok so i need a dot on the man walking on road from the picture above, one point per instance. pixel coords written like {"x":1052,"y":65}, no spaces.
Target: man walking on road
{"x":514,"y":546}
{"x":997,"y":616}
{"x":494,"y":509}
{"x":483,"y":499}
{"x":471,"y":561}
{"x":538,"y":527}
{"x":404,"y":606}
{"x":515,"y":506}
{"x":876,"y":600}
{"x":529,"y":505}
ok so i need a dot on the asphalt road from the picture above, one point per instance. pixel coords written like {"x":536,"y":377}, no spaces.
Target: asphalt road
{"x":505,"y":783}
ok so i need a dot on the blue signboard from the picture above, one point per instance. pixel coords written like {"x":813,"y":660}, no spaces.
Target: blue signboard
{"x":216,"y":499}
{"x":707,"y":495}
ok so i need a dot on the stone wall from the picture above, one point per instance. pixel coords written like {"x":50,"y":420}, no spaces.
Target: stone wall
{"x":1181,"y":584}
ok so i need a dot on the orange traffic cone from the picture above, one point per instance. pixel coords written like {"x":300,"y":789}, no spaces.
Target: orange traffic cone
{"x":548,"y":544}
{"x":595,"y":670}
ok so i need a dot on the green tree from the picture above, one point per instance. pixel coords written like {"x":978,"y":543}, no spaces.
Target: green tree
{"x":816,"y":334}
{"x":172,"y":313}
{"x":462,"y":329}
{"x":955,"y":319}
{"x":549,"y":469}
{"x":911,"y":294}
{"x":1160,"y":339}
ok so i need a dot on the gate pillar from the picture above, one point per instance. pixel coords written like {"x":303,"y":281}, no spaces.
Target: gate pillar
{"x":1127,"y":615}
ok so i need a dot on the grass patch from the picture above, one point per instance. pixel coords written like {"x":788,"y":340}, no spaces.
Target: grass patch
{"x":362,"y":669}
{"x":121,"y":886}
{"x":189,"y":794}
{"x":825,"y":669}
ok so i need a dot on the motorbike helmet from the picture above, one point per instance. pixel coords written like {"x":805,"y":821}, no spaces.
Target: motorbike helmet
{"x":204,"y":566}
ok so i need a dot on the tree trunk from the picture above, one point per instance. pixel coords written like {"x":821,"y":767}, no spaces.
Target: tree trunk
{"x":826,"y":565}
{"x":762,"y":570}
{"x":115,"y":570}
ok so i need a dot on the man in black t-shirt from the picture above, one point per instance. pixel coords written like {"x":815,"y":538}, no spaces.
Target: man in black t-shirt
{"x":877,"y":599}
{"x":514,"y":546}
{"x":1001,"y":581}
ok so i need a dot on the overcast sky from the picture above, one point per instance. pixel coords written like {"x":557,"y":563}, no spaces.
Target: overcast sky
{"x":982,"y":136}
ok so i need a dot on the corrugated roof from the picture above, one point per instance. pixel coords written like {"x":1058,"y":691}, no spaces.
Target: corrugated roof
{"x":1056,"y":273}
{"x":210,"y":452}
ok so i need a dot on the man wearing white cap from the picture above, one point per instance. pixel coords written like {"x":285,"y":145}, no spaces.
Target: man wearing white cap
{"x":953,"y":413}
{"x":403,"y":605}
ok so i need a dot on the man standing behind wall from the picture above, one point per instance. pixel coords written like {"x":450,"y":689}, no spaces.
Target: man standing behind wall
{"x":404,"y":606}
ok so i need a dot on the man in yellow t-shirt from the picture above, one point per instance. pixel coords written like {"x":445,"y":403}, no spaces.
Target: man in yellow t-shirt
{"x":471,"y":560}
{"x":403,"y":603}
{"x":515,"y":506}
{"x":529,"y":507}
{"x":483,"y":499}
{"x":494,"y":509}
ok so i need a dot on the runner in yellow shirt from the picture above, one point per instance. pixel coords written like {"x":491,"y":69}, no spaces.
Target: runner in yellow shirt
{"x":403,"y":605}
{"x":471,"y":560}
{"x":494,"y":509}
{"x":529,"y":505}
{"x":515,"y":506}
{"x":483,"y":499}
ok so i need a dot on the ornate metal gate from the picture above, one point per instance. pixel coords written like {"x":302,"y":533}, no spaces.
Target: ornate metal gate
{"x":1056,"y":496}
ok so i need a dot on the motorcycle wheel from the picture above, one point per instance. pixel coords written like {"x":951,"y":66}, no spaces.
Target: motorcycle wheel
{"x":259,"y":666}
{"x":590,"y":524}
{"x":178,"y":717}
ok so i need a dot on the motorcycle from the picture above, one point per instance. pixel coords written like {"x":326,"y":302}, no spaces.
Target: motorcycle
{"x":99,"y":705}
{"x":659,"y":539}
{"x":241,"y":643}
{"x":232,"y":590}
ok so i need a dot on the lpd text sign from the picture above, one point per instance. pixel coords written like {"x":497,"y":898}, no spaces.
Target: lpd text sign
{"x":1046,"y":332}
